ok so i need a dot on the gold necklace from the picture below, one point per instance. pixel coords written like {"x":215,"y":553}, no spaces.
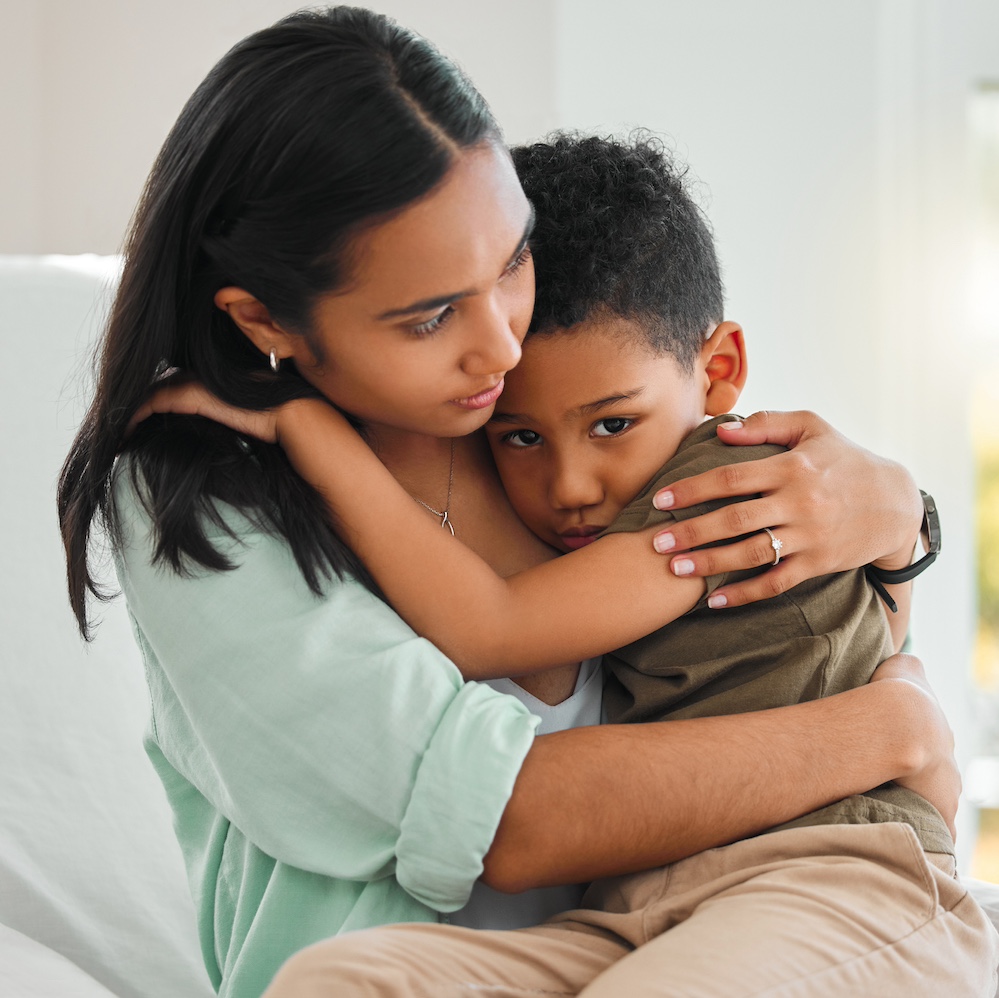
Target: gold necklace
{"x":445,"y":517}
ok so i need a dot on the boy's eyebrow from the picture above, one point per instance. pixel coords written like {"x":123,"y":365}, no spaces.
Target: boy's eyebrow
{"x":591,"y":407}
{"x":586,"y":409}
{"x":429,"y":304}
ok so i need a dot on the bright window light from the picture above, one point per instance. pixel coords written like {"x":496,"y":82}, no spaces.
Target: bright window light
{"x":984,"y":114}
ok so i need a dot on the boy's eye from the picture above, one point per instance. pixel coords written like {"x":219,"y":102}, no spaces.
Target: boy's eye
{"x":611,"y":427}
{"x":522,"y":438}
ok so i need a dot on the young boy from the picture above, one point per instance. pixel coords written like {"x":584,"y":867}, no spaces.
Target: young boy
{"x":627,"y":354}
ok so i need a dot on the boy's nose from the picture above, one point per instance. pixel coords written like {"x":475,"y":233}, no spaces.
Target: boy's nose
{"x":572,"y":487}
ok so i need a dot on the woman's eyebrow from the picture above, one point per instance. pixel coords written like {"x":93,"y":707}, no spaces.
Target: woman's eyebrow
{"x":425,"y":305}
{"x":429,"y":304}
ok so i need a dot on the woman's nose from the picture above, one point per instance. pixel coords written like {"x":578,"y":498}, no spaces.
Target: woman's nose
{"x":495,"y":348}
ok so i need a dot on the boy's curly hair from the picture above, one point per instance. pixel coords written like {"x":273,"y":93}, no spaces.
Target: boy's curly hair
{"x":617,"y":231}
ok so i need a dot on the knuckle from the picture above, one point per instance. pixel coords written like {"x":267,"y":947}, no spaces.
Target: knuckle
{"x":774,"y":584}
{"x":707,"y":564}
{"x":738,"y":515}
{"x":800,"y":463}
{"x":816,"y":506}
{"x":732,"y":476}
{"x":686,"y":533}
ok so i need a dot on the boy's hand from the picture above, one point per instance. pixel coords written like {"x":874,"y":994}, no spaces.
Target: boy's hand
{"x":181,"y":394}
{"x":832,"y":505}
{"x":184,"y":396}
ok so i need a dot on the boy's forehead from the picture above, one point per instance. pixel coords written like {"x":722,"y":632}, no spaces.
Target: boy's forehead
{"x":567,"y":371}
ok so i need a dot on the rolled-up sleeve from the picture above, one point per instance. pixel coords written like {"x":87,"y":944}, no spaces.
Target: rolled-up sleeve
{"x":332,"y":736}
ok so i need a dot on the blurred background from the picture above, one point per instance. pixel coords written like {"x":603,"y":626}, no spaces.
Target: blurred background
{"x":847,"y":153}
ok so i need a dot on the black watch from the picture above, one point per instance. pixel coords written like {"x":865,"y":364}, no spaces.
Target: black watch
{"x":881,"y":577}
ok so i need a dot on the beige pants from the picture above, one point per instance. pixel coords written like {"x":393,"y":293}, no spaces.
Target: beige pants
{"x":856,"y":910}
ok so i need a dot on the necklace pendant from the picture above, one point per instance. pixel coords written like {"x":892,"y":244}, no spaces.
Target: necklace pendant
{"x":446,"y":522}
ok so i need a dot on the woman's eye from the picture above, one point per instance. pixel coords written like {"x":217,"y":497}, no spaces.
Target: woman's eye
{"x":522,"y":438}
{"x":522,"y":257}
{"x":433,"y":325}
{"x":611,"y":427}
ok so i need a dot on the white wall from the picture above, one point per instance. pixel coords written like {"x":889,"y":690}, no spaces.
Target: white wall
{"x":89,"y":90}
{"x":20,"y":127}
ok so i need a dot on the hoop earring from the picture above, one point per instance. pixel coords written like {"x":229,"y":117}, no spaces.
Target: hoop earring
{"x":275,"y":363}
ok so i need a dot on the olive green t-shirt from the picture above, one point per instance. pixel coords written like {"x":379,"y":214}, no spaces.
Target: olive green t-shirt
{"x":822,"y":637}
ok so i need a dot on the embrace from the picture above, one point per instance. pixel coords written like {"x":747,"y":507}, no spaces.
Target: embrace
{"x":639,"y":699}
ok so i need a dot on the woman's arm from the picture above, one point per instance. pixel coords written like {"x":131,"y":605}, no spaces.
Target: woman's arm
{"x":834,"y":505}
{"x":717,"y":779}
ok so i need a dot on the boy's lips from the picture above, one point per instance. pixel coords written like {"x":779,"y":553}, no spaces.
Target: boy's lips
{"x":579,"y":537}
{"x":483,"y":399}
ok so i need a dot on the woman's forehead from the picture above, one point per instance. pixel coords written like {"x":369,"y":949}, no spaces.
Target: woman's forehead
{"x":456,"y":240}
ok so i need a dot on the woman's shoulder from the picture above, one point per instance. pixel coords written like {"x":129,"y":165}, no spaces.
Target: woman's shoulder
{"x":135,"y":521}
{"x":239,"y":554}
{"x":195,"y":495}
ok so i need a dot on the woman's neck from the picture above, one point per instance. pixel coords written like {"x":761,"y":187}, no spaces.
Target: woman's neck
{"x":420,"y":463}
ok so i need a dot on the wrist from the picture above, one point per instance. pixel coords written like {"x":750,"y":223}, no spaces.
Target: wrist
{"x":897,"y":560}
{"x":297,"y":419}
{"x":896,"y":710}
{"x":930,"y":532}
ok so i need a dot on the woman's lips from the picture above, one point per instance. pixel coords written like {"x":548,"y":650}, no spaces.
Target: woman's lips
{"x":483,"y":400}
{"x":579,"y":537}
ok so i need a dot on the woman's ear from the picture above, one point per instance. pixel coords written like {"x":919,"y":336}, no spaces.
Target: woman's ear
{"x":255,"y":322}
{"x":723,"y":359}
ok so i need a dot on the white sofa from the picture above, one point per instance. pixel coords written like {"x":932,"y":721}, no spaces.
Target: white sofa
{"x":93,"y":900}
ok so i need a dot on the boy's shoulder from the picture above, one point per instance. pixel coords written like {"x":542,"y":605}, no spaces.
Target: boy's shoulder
{"x":700,"y":451}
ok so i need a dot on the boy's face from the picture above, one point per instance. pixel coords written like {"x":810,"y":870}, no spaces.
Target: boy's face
{"x":585,"y":421}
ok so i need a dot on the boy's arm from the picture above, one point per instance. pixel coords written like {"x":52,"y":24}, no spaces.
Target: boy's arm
{"x":582,"y":604}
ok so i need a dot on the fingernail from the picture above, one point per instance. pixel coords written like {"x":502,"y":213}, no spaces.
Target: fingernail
{"x":683,"y":566}
{"x":717,"y":600}
{"x":664,"y":499}
{"x":664,"y":542}
{"x":733,"y":425}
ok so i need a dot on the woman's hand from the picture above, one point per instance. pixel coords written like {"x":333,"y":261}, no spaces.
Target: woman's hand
{"x":184,"y":396}
{"x":933,"y":774}
{"x":833,"y":506}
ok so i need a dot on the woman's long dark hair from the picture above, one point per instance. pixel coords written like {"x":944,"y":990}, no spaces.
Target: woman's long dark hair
{"x":303,"y":134}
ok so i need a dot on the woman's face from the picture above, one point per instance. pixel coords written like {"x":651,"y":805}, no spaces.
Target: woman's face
{"x":439,"y":303}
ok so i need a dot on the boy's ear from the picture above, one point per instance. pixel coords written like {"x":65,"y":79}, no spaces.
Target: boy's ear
{"x":256,"y":323}
{"x":723,"y":360}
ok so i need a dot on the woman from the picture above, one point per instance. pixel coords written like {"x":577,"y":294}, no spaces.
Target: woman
{"x":333,"y":214}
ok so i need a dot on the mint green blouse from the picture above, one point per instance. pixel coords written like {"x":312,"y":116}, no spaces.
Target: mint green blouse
{"x":327,"y":769}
